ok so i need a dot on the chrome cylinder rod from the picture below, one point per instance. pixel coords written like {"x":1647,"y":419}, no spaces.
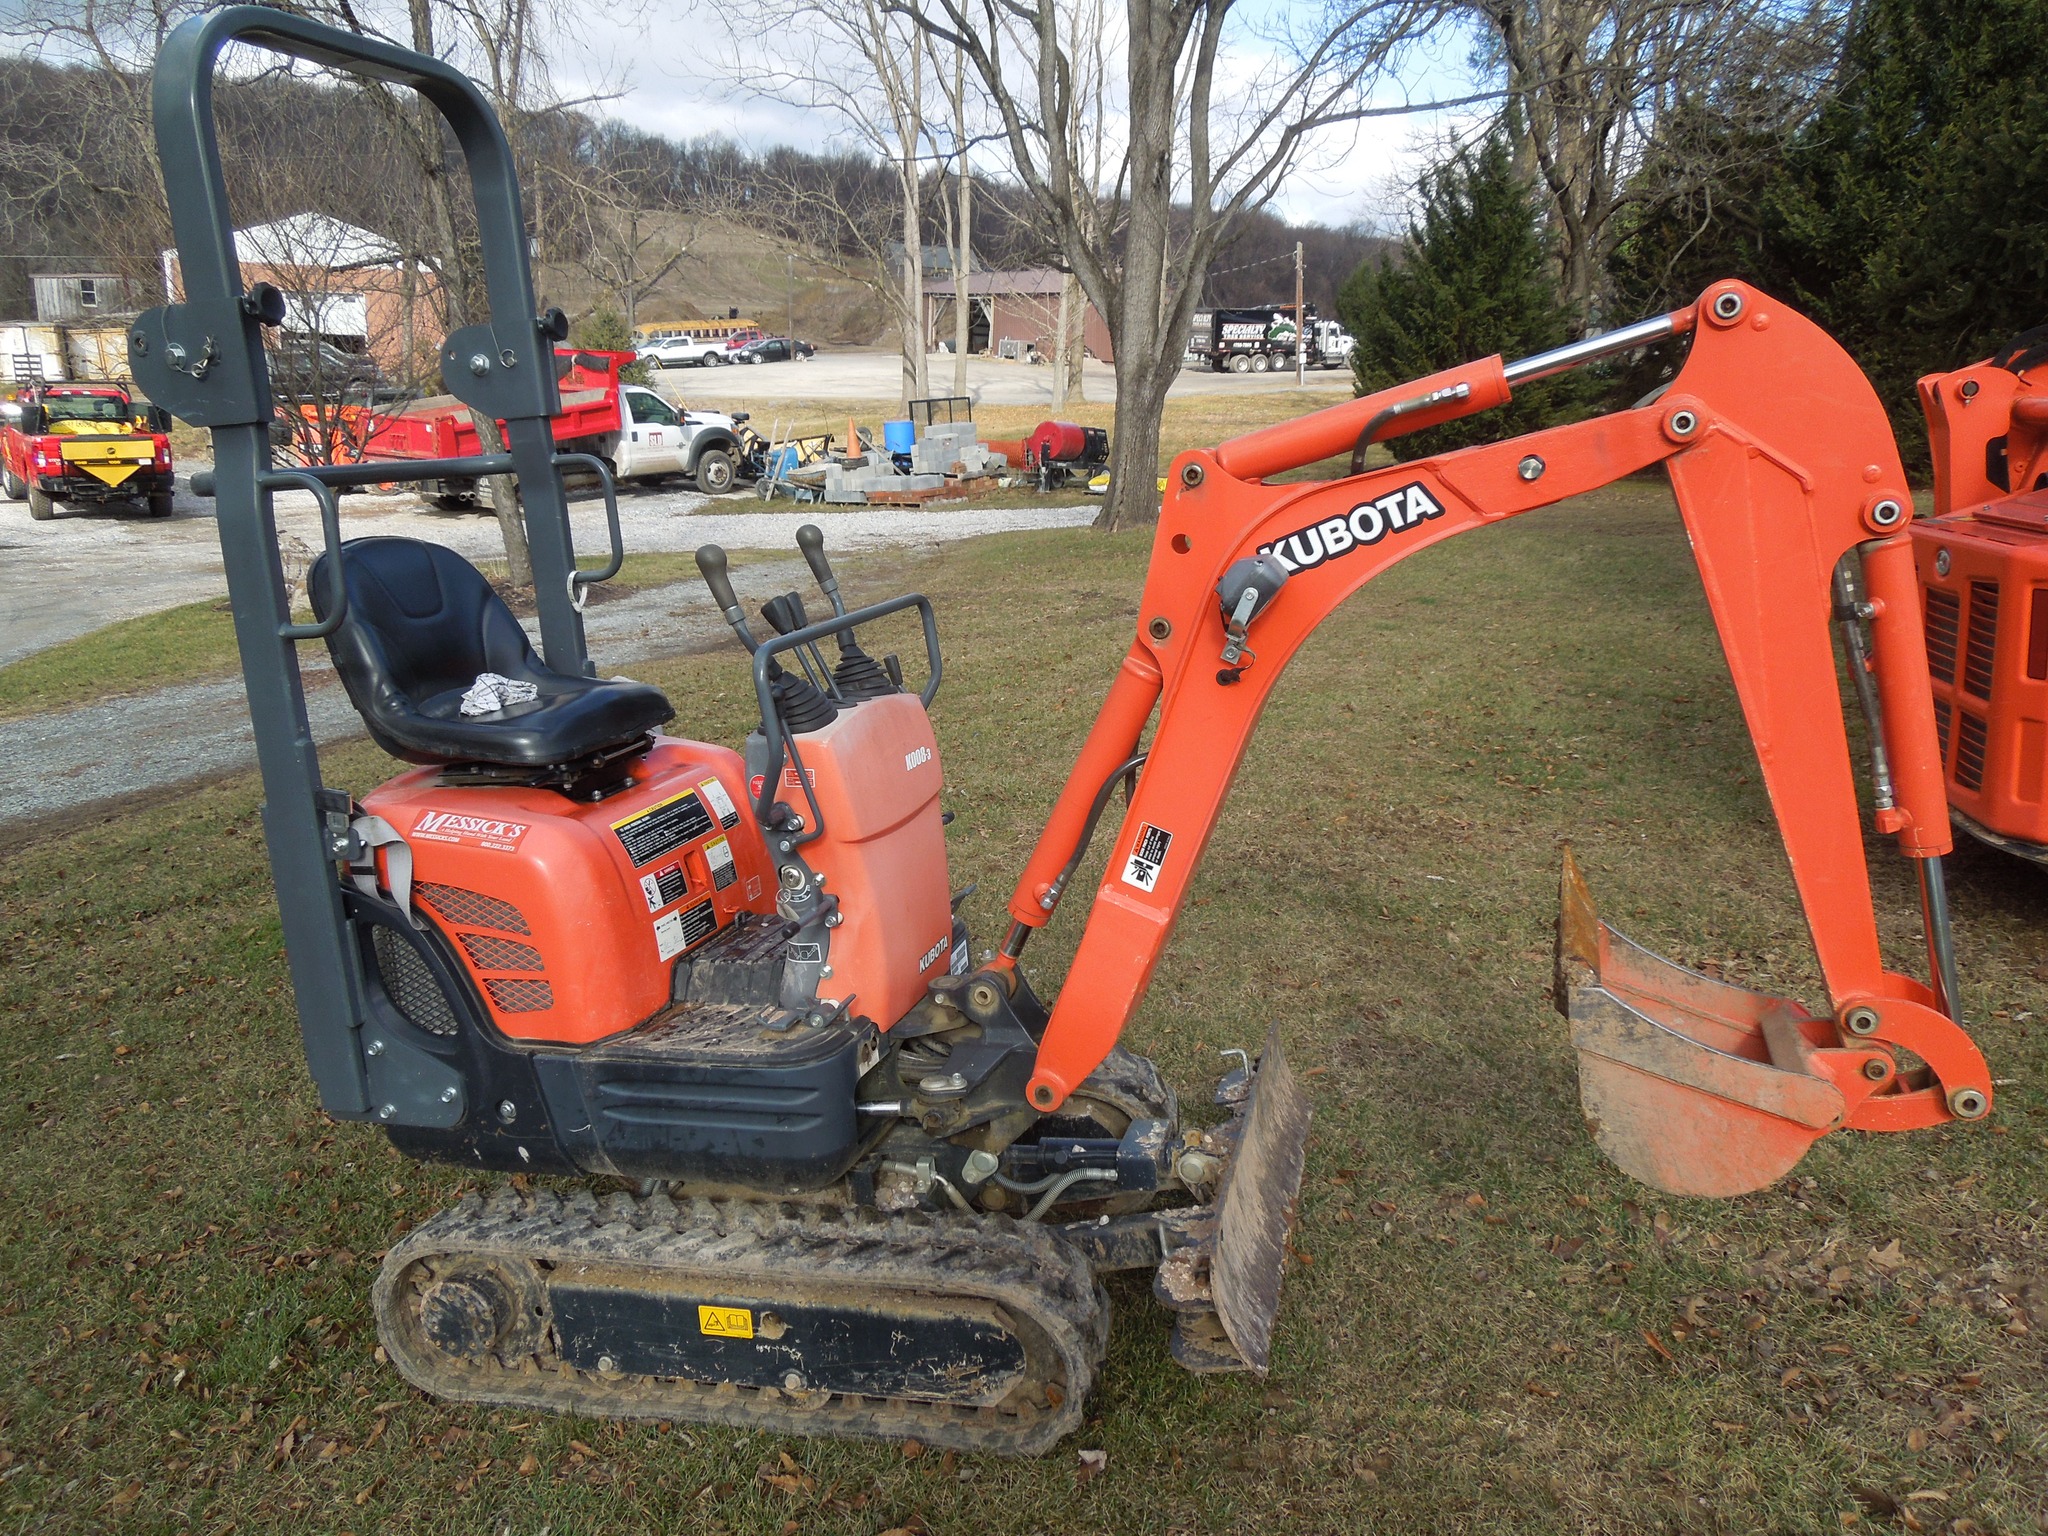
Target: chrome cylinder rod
{"x":1578,"y":353}
{"x":1941,"y":938}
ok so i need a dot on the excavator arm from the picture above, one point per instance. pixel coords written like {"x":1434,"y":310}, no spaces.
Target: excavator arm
{"x":1783,"y":465}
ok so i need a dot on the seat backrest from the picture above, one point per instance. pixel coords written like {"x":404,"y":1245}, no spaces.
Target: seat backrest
{"x":421,"y":621}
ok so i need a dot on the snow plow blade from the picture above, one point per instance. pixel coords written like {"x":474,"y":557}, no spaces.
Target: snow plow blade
{"x":1688,"y":1084}
{"x":1225,"y":1283}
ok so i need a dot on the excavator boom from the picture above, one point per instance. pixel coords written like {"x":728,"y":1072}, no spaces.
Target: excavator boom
{"x":1787,"y":477}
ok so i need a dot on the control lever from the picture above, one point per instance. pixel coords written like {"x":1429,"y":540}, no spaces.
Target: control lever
{"x":856,"y":676}
{"x":711,"y":562}
{"x":811,"y":540}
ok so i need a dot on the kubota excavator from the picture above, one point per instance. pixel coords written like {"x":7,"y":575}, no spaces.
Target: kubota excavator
{"x":865,"y":1185}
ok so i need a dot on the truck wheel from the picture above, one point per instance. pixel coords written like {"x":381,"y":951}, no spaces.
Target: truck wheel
{"x":160,"y":503}
{"x":1240,"y":364}
{"x":13,"y":484}
{"x":714,"y":472}
{"x":1261,"y":362}
{"x":40,"y":506}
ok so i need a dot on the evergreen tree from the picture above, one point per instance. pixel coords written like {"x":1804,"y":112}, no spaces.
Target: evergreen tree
{"x":1905,"y":215}
{"x":1474,"y":279}
{"x":604,"y":330}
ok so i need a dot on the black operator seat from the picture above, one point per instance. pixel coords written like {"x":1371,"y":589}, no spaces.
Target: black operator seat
{"x":422,"y":624}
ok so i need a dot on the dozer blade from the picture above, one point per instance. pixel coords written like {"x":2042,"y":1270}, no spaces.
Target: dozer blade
{"x":1226,"y":1282}
{"x":1688,"y":1084}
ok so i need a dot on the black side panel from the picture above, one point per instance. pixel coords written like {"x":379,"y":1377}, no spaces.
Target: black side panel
{"x":707,"y":1092}
{"x":403,"y":967}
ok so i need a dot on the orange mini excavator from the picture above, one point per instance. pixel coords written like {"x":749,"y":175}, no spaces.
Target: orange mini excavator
{"x":1983,"y":561}
{"x":857,"y":1182}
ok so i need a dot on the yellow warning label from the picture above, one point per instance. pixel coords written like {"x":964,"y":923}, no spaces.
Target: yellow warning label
{"x":725,"y":1322}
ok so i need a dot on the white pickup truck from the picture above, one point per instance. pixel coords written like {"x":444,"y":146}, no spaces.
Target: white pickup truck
{"x":655,"y":438}
{"x":683,"y":352}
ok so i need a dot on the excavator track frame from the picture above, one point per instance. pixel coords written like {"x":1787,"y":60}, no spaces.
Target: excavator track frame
{"x":998,"y":1280}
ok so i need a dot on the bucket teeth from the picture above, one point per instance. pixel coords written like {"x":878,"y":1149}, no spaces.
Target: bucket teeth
{"x":1226,"y":1283}
{"x":1688,"y":1084}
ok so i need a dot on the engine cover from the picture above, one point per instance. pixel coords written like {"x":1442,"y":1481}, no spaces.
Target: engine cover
{"x":570,"y":915}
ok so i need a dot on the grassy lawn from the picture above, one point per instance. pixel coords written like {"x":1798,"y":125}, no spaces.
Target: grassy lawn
{"x":1488,"y":1330}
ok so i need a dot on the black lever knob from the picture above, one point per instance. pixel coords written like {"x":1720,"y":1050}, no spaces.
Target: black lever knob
{"x":811,"y":540}
{"x":785,"y":614}
{"x":712,"y":562}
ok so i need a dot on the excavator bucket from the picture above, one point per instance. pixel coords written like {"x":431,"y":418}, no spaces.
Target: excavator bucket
{"x":1688,"y":1084}
{"x":1225,"y":1282}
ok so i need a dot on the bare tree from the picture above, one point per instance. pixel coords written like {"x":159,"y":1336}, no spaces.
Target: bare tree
{"x":1592,"y":81}
{"x":864,"y":63}
{"x":1213,"y":115}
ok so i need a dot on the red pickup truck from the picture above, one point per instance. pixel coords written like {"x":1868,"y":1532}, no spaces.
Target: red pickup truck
{"x":86,"y":444}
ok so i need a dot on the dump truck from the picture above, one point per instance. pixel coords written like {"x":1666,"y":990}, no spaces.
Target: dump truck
{"x":632,"y":429}
{"x":85,"y":444}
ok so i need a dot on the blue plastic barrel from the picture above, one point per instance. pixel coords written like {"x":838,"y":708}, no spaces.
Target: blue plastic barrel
{"x":786,"y":459}
{"x":899,"y":436}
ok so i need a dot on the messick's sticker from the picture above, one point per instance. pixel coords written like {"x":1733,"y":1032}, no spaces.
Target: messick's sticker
{"x":720,"y":802}
{"x":718,"y":854}
{"x":665,"y":887}
{"x":725,"y":1322}
{"x":1148,"y":857}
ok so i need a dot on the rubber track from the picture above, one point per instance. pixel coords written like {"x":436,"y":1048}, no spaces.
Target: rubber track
{"x":751,"y":1244}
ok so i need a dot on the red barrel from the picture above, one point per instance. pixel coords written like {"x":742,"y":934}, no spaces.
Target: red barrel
{"x":1062,"y":442}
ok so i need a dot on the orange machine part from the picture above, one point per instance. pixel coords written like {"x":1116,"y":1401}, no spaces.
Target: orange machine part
{"x":874,"y":775}
{"x":1782,"y":460}
{"x":570,"y":914}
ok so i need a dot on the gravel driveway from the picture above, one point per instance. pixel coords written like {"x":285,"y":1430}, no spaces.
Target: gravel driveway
{"x":66,"y":577}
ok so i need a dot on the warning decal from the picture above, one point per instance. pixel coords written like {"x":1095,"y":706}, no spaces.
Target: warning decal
{"x":664,"y":828}
{"x":725,"y":1322}
{"x":1148,"y":857}
{"x":677,"y":931}
{"x":718,"y":854}
{"x":665,"y":887}
{"x":720,"y":802}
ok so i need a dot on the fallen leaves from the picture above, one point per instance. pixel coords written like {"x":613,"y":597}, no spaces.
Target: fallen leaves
{"x":1093,"y":1464}
{"x":1659,"y":1345}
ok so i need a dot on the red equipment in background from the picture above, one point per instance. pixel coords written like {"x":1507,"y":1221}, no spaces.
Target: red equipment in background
{"x":1983,"y":563}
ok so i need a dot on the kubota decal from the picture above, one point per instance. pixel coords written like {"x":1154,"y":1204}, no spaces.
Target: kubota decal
{"x":1366,"y":524}
{"x":480,"y":831}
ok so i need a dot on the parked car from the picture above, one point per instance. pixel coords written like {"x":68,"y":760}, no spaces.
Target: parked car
{"x":773,"y":349}
{"x":302,"y":369}
{"x":742,"y":336}
{"x":684,"y":352}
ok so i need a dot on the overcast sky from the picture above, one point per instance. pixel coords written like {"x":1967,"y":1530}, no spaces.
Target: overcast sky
{"x":1358,"y":172}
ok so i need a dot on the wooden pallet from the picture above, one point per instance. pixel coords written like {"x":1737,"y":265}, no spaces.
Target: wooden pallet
{"x":957,"y":490}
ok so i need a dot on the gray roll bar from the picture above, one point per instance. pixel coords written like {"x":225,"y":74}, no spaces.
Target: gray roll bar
{"x":203,"y":360}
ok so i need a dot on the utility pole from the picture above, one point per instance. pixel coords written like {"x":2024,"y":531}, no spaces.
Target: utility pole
{"x":792,"y":304}
{"x":1300,"y":325}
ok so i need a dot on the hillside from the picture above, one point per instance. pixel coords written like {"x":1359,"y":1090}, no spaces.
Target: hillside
{"x":731,"y":265}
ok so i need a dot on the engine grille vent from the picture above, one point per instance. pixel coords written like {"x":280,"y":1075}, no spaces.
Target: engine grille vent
{"x":489,"y":954}
{"x":471,"y":909}
{"x":411,"y":985}
{"x":513,"y":995}
{"x":1941,"y":718}
{"x":1970,"y":752}
{"x":1983,"y":640}
{"x":1944,"y":621}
